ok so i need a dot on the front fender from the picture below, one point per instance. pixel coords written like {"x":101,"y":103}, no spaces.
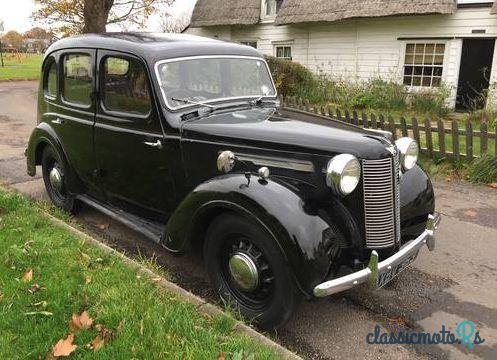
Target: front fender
{"x":299,"y":229}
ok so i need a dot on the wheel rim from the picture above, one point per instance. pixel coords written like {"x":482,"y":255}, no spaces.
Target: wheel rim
{"x":247,"y":274}
{"x":56,"y":180}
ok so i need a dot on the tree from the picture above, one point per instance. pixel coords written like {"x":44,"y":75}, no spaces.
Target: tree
{"x":37,"y":33}
{"x":92,"y":16}
{"x":175,"y":24}
{"x":12,"y":39}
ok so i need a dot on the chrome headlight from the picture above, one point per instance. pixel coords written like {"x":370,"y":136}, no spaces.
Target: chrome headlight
{"x":409,"y":150}
{"x":343,"y":173}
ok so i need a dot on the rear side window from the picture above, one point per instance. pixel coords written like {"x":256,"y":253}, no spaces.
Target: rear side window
{"x":125,"y":86}
{"x":51,"y":80}
{"x":78,"y":79}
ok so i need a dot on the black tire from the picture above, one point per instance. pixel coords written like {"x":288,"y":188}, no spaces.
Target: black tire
{"x":275,"y":298}
{"x":59,"y":197}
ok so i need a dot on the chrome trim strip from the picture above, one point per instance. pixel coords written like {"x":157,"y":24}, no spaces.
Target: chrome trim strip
{"x":290,"y":164}
{"x":374,"y":269}
{"x":158,"y":78}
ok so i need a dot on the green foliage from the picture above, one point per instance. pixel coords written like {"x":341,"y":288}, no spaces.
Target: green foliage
{"x":376,"y":94}
{"x":489,"y":115}
{"x":483,"y":170}
{"x":70,"y":276}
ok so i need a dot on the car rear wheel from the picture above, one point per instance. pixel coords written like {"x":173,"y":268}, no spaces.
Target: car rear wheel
{"x":248,"y":270}
{"x":54,"y":177}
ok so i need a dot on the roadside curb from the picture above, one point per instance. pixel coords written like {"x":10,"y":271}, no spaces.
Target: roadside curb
{"x":202,"y":305}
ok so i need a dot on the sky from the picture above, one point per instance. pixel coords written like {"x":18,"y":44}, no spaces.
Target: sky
{"x":16,"y":14}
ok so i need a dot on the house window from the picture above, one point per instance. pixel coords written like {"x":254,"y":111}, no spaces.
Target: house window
{"x":283,"y":52}
{"x":249,"y":43}
{"x":270,"y":8}
{"x":423,"y":65}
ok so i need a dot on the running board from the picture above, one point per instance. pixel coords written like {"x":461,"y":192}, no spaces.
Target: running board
{"x":152,"y":230}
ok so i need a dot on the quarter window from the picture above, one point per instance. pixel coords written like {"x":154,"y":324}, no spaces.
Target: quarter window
{"x":51,"y":80}
{"x":284,"y":52}
{"x":78,"y":79}
{"x":423,"y":65}
{"x":125,"y":86}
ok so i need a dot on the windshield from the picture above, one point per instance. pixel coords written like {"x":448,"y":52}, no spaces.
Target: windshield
{"x":207,"y":79}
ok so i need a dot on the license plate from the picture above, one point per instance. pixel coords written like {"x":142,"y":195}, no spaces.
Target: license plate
{"x":387,"y":276}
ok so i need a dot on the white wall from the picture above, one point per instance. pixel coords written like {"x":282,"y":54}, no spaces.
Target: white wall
{"x":360,"y":49}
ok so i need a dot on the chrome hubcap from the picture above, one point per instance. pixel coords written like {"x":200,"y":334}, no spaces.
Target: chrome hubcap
{"x":244,"y":271}
{"x":56,"y":179}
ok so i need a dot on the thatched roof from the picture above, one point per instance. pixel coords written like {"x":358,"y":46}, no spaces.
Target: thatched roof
{"x":494,"y":9}
{"x":226,"y":12}
{"x":297,"y":11}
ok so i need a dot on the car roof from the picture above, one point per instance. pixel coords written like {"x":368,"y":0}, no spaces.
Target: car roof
{"x":154,"y":46}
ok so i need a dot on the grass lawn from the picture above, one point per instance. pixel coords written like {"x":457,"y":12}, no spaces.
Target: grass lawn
{"x":133,"y":318}
{"x":28,"y":67}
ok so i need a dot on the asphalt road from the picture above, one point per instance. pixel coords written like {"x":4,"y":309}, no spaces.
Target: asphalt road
{"x":456,"y":282}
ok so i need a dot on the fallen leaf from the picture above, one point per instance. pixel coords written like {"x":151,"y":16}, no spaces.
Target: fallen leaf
{"x":44,"y":313}
{"x":64,"y":347}
{"x":103,"y":226}
{"x":221,"y":356}
{"x":470,"y":213}
{"x":107,"y":335}
{"x":493,"y":185}
{"x":28,"y":276}
{"x":97,"y":342}
{"x":80,"y":322}
{"x":34,"y":288}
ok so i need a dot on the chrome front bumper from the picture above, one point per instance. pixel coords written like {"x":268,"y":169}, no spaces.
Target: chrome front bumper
{"x":375,"y":269}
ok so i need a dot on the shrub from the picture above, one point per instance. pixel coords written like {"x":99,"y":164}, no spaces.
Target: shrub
{"x":432,"y":101}
{"x":290,"y":77}
{"x":483,"y":170}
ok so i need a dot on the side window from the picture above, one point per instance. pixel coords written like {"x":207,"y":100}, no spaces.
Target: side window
{"x":125,"y":86}
{"x":50,"y":85}
{"x":78,"y":79}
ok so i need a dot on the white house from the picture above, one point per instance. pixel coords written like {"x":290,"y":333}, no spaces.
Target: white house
{"x":421,"y":43}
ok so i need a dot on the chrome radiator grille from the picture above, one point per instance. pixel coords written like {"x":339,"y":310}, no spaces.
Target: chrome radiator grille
{"x":381,"y":202}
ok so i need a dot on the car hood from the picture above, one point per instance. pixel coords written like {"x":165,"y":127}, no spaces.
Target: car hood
{"x":287,"y":130}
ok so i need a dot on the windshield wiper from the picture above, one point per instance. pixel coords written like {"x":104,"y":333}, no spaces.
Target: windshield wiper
{"x":188,"y":101}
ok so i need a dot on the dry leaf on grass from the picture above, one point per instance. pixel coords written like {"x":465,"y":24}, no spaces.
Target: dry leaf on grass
{"x":64,"y":347}
{"x":221,"y":356}
{"x":97,"y":342}
{"x":103,"y":337}
{"x":80,"y":322}
{"x":103,"y":226}
{"x":493,"y":185}
{"x":28,"y":276}
{"x":34,"y":288}
{"x":470,"y":213}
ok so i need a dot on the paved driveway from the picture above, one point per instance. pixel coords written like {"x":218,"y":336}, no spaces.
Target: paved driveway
{"x":457,"y":282}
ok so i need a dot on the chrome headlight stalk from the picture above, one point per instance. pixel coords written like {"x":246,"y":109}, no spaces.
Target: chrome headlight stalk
{"x":343,"y":173}
{"x":409,"y":151}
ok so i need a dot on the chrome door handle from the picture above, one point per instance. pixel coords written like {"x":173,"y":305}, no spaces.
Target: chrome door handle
{"x":157,"y":144}
{"x":58,"y":121}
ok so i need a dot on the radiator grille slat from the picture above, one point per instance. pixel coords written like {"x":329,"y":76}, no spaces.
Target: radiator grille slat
{"x":381,"y":202}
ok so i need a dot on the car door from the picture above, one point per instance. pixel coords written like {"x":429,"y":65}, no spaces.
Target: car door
{"x":130,"y":147}
{"x":70,"y":110}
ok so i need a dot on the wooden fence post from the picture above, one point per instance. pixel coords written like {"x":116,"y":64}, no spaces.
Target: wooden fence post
{"x":403,"y":126}
{"x":483,"y":138}
{"x":373,"y":121}
{"x":429,"y":141}
{"x":415,"y":131}
{"x":364,"y":120}
{"x":441,"y":137}
{"x":381,"y":120}
{"x":347,"y":116}
{"x":455,"y":139}
{"x":339,"y":115}
{"x":355,"y":118}
{"x":391,"y":124}
{"x":469,"y":140}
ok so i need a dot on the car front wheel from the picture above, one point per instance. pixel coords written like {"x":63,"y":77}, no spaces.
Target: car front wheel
{"x":249,"y":272}
{"x":54,"y":177}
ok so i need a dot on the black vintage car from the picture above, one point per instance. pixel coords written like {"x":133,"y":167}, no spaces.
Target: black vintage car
{"x":184,"y":140}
